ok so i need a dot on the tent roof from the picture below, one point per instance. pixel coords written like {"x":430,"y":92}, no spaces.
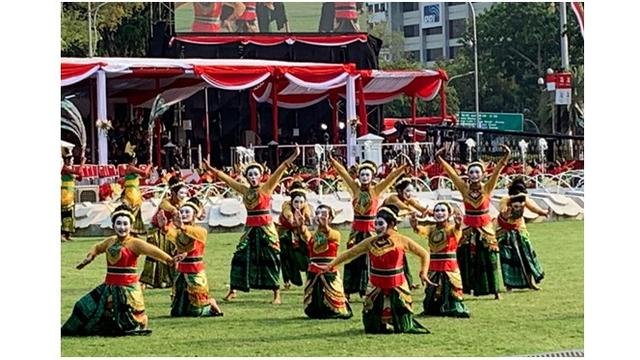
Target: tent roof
{"x":299,"y":84}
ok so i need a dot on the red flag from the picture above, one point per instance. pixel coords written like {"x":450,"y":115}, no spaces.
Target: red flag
{"x":578,"y":9}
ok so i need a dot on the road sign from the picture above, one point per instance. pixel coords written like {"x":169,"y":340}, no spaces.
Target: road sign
{"x":493,"y":121}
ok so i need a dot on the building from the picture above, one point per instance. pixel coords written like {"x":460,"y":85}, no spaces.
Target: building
{"x":432,"y":30}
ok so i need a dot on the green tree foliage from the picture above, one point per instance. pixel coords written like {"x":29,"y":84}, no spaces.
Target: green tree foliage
{"x":517,"y":42}
{"x":122,"y":28}
{"x":401,"y":107}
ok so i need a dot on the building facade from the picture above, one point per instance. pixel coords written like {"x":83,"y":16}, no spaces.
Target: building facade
{"x":432,"y":30}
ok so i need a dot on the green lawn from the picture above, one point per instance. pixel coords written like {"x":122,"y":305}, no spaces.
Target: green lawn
{"x":524,"y":322}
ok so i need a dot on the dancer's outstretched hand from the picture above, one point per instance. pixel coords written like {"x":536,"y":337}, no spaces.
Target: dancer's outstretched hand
{"x":506,"y":149}
{"x":440,"y":152}
{"x":86,"y":261}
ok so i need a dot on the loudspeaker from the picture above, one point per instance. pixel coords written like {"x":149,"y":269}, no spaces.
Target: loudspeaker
{"x":87,"y":193}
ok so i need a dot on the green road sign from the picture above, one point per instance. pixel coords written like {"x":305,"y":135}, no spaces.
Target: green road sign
{"x":493,"y":121}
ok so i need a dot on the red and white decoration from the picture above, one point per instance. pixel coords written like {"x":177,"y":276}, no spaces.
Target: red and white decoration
{"x":283,"y":84}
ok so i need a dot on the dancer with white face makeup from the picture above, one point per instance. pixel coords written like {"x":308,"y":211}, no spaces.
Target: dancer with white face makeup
{"x":387,"y":307}
{"x":323,"y":292}
{"x":478,"y":250}
{"x":404,"y":200}
{"x":366,"y":198}
{"x":445,"y":299}
{"x":295,"y":215}
{"x":116,"y":307}
{"x":156,"y":274}
{"x":256,"y":261}
{"x":518,"y":260}
{"x":131,"y":196}
{"x":190,"y":288}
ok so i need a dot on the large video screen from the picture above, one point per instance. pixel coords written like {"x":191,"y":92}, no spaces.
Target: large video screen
{"x":266,"y":17}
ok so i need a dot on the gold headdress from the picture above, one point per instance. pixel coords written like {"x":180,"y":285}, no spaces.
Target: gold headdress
{"x":122,"y":210}
{"x":368,"y":164}
{"x":194,"y":203}
{"x":446,"y":204}
{"x":390,"y":211}
{"x":250,"y":165}
{"x":476,"y":163}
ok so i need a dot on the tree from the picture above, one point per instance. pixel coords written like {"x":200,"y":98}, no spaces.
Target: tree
{"x":392,"y":41}
{"x":123,"y":29}
{"x":517,"y":42}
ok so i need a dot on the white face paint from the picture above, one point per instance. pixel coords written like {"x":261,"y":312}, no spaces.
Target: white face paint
{"x":183,"y":193}
{"x":381,"y":225}
{"x":298,"y":202}
{"x":475,"y":173}
{"x":365,"y":176}
{"x":440,"y":213}
{"x":186,"y":214}
{"x":322,"y":216}
{"x":253,"y":175}
{"x":122,"y":225}
{"x":407,"y":193}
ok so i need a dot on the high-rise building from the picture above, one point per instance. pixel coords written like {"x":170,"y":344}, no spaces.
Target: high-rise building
{"x":432,"y":30}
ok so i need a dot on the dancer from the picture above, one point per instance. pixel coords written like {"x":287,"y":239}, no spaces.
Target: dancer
{"x":293,"y":243}
{"x":116,"y":307}
{"x":67,"y":194}
{"x":131,"y":196}
{"x":478,"y":251}
{"x":365,"y":204}
{"x":156,"y":274}
{"x":190,"y":288}
{"x":519,"y":262}
{"x":403,"y":200}
{"x":387,"y":306}
{"x":445,"y":299}
{"x":256,"y":261}
{"x":323,"y":293}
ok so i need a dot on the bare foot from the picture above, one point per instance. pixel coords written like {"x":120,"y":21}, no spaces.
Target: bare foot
{"x":230,"y":295}
{"x":287,"y":285}
{"x":497,"y":296}
{"x":276,"y":298}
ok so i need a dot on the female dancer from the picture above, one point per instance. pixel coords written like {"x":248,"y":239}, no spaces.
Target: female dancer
{"x":156,"y":274}
{"x":116,"y":307}
{"x":190,"y":288}
{"x":387,"y":306}
{"x":131,"y":196}
{"x":323,"y":293}
{"x":365,"y":204}
{"x":256,"y":262}
{"x":445,"y":299}
{"x":519,"y":262}
{"x":67,"y":195}
{"x":478,"y":251}
{"x":404,"y":201}
{"x":293,"y":243}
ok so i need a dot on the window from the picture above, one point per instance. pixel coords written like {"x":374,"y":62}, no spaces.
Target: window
{"x":411,"y":31}
{"x":376,"y":7}
{"x":433,"y":54}
{"x":370,"y":8}
{"x":409,"y":6}
{"x":455,"y":3}
{"x":412,"y":55}
{"x":383,"y":7}
{"x":453,"y":51}
{"x":432,"y":31}
{"x":457,"y":28}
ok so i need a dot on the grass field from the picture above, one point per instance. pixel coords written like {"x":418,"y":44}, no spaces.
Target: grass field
{"x":303,"y":17}
{"x":524,"y":322}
